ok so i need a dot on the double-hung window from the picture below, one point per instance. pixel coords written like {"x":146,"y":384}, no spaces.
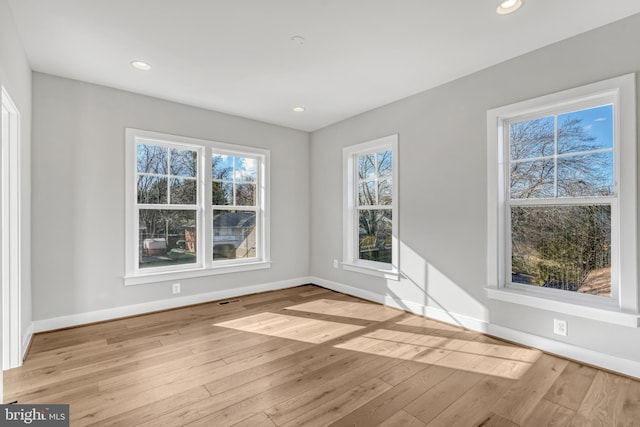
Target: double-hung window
{"x":562,"y":208}
{"x":370,"y":200}
{"x":194,"y":207}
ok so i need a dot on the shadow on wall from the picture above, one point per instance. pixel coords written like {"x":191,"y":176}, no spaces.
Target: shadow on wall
{"x":434,"y":294}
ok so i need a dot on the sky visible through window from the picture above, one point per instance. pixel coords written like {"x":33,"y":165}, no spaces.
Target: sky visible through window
{"x":597,"y":122}
{"x":568,"y":155}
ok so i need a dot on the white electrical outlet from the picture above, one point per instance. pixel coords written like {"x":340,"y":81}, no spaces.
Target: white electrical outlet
{"x":176,"y":288}
{"x":560,"y":327}
{"x":335,"y":263}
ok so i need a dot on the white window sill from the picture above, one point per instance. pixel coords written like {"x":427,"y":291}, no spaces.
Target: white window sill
{"x":604,"y":314}
{"x":391,"y":273}
{"x":165,"y":276}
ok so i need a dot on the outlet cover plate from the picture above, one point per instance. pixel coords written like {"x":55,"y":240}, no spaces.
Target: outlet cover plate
{"x":560,"y":327}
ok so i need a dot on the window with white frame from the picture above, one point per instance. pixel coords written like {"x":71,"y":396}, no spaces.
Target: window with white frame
{"x":562,"y":198}
{"x":370,"y":222}
{"x":195,"y":207}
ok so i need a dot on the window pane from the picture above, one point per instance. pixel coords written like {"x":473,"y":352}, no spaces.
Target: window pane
{"x":367,"y":194}
{"x":366,"y":166}
{"x":222,"y":167}
{"x":234,"y":234}
{"x":221,"y":193}
{"x":532,"y":138}
{"x":152,"y":159}
{"x":183,"y":191}
{"x":532,"y":179}
{"x":167,"y":237}
{"x":385,"y":162}
{"x":586,"y":175}
{"x":184,"y":162}
{"x":245,"y":170}
{"x":562,"y":247}
{"x":586,"y":130}
{"x":375,"y":231}
{"x":245,"y":194}
{"x":385,"y":191}
{"x":152,"y":189}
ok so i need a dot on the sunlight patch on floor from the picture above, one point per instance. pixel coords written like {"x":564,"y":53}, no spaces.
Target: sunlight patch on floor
{"x":481,"y":357}
{"x":356,"y":310}
{"x":291,"y":327}
{"x":417,"y":339}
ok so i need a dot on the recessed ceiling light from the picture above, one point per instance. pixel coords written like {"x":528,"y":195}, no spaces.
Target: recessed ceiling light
{"x":297,"y":40}
{"x":298,"y":109}
{"x":141,"y":65}
{"x":508,"y":6}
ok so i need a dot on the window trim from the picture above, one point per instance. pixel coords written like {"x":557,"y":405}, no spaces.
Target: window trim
{"x":624,"y":308}
{"x":351,"y":262}
{"x":205,"y":265}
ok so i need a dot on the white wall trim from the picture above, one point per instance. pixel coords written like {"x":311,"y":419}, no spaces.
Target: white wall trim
{"x":591,"y":357}
{"x":205,"y":264}
{"x":167,"y":276}
{"x":614,"y":316}
{"x":26,"y":341}
{"x":621,"y":92}
{"x":412,"y":307}
{"x":148,"y":307}
{"x":350,"y":255}
{"x":10,"y":250}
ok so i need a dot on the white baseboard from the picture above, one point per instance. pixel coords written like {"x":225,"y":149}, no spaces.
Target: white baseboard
{"x":570,"y":351}
{"x":350,"y":290}
{"x":26,"y":341}
{"x":148,"y":307}
{"x":412,"y":307}
{"x":591,"y":357}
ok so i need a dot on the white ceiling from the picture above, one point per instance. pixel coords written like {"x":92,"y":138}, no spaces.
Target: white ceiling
{"x":237,"y":57}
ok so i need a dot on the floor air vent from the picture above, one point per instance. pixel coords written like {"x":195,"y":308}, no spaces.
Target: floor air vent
{"x":228,"y":302}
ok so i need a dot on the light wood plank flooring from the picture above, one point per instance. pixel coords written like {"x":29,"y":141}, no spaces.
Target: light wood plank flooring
{"x":309,"y":356}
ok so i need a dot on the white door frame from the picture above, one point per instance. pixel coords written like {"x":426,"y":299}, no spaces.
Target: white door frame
{"x":10,"y":232}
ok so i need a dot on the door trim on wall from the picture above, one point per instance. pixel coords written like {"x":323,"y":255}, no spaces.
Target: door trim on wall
{"x":10,"y":249}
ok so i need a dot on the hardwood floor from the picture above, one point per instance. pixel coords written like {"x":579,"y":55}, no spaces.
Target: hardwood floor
{"x":309,"y":356}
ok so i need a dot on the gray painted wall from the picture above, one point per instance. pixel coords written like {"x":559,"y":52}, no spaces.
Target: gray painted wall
{"x":443,"y":184}
{"x":78,"y":194}
{"x":15,"y":76}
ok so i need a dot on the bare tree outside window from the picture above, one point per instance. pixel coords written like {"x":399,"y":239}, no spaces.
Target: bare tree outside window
{"x":374,"y":202}
{"x":166,"y":179}
{"x":194,"y":207}
{"x":561,"y":176}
